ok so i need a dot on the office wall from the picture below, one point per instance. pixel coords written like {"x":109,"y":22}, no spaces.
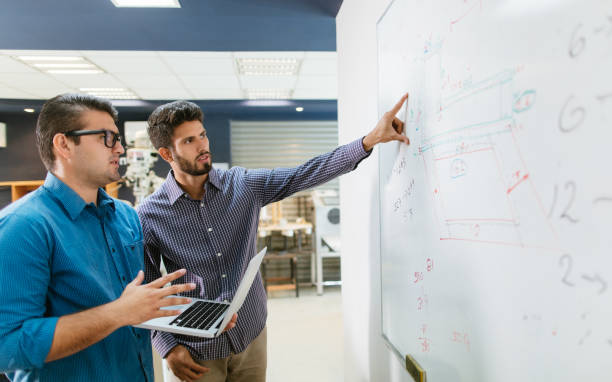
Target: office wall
{"x":20,"y":160}
{"x":366,"y":357}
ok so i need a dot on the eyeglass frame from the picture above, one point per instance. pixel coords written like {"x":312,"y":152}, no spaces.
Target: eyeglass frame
{"x":116,"y":136}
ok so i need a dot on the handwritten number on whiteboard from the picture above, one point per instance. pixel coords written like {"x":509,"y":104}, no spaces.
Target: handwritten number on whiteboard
{"x":577,"y":114}
{"x":577,"y":43}
{"x":565,"y":215}
{"x":566,"y":259}
{"x":554,"y":201}
{"x":571,"y":187}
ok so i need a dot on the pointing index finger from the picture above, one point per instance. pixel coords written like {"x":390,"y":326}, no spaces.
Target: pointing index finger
{"x":398,"y":105}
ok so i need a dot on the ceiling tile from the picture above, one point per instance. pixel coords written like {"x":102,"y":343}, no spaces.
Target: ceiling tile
{"x":139,"y":65}
{"x":315,"y":94}
{"x":199,"y":55}
{"x":201,"y":66}
{"x":208,"y":82}
{"x":8,"y":93}
{"x":314,"y":67}
{"x":50,"y":93}
{"x":321,"y":55}
{"x":101,"y":80}
{"x":119,"y":53}
{"x":316,"y":82}
{"x":164,"y":94}
{"x":11,"y":65}
{"x":267,"y":82}
{"x":150,"y":81}
{"x":25,"y":82}
{"x":217,"y":94}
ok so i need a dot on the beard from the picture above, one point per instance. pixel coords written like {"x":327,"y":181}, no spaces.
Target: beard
{"x":194,"y":168}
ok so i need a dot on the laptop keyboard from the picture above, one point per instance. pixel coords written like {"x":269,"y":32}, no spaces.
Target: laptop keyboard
{"x":200,"y":315}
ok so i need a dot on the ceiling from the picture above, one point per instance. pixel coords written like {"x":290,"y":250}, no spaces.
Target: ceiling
{"x":153,"y":75}
{"x":160,"y":54}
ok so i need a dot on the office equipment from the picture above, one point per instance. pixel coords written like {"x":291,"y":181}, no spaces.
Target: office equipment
{"x":495,"y":221}
{"x":327,"y":232}
{"x":295,"y":230}
{"x":205,"y":318}
{"x":281,"y":282}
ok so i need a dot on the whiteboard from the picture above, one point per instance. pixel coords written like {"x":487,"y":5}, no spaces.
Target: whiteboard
{"x":496,"y":221}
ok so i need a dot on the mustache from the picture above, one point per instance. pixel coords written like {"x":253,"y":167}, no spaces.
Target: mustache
{"x":204,"y":153}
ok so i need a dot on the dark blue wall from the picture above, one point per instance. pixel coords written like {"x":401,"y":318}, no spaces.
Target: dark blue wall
{"x":20,"y":160}
{"x":199,"y":25}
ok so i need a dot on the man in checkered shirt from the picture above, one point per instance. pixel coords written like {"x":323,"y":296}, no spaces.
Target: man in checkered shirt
{"x":205,"y":220}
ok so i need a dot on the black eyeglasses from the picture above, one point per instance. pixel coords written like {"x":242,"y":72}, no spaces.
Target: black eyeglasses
{"x":110,"y":137}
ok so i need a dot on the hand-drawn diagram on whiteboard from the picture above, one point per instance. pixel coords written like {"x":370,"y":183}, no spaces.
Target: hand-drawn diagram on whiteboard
{"x":494,"y":218}
{"x":476,"y":173}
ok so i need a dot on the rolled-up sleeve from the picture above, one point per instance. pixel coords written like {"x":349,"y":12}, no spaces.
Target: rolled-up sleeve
{"x":25,"y":250}
{"x":270,"y":186}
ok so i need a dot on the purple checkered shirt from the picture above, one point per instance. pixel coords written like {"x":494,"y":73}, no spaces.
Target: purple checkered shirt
{"x":214,"y":239}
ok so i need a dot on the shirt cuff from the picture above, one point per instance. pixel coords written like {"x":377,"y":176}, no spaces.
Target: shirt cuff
{"x":37,"y":339}
{"x":163,"y":342}
{"x":356,"y":152}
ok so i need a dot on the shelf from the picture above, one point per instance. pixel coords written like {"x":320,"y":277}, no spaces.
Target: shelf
{"x":20,"y":188}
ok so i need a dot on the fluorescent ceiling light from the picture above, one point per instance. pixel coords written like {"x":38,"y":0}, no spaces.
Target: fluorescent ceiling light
{"x":74,"y":71}
{"x":299,"y":109}
{"x":64,"y":66}
{"x":268,"y":93}
{"x":146,"y":3}
{"x":50,"y":58}
{"x":29,"y":110}
{"x":266,"y":103}
{"x":268,"y":66}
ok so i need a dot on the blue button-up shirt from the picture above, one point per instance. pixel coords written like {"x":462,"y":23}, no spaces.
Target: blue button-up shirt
{"x":59,"y":255}
{"x":215,"y":238}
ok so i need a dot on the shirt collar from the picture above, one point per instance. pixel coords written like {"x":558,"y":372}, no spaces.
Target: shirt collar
{"x":71,"y":201}
{"x":175,"y":191}
{"x":214,"y":178}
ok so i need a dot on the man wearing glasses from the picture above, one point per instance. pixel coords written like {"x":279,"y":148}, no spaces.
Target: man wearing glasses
{"x":71,"y":260}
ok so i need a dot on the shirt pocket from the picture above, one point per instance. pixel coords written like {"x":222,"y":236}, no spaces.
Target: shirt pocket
{"x":134,"y":252}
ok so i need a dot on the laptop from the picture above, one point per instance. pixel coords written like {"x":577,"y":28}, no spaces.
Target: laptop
{"x":206,"y":318}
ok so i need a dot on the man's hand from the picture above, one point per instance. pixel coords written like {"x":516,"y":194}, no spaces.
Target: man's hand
{"x":389,"y":128}
{"x":139,"y":303}
{"x":232,"y":322}
{"x":183,"y":366}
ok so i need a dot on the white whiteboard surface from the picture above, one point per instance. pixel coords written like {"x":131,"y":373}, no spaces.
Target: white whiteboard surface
{"x":496,"y":221}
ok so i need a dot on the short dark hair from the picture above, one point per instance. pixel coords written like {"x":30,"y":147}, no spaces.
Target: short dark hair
{"x":62,"y":114}
{"x":165,"y":118}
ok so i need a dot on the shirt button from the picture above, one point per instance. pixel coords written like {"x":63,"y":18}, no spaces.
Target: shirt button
{"x":225,"y":301}
{"x":210,"y":230}
{"x":223,"y":275}
{"x":113,"y":249}
{"x":202,"y":204}
{"x":219,"y":254}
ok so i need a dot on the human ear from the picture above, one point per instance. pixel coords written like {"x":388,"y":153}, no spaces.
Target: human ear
{"x":166,"y":154}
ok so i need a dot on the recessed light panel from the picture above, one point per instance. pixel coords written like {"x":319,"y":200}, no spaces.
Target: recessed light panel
{"x":268,"y":66}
